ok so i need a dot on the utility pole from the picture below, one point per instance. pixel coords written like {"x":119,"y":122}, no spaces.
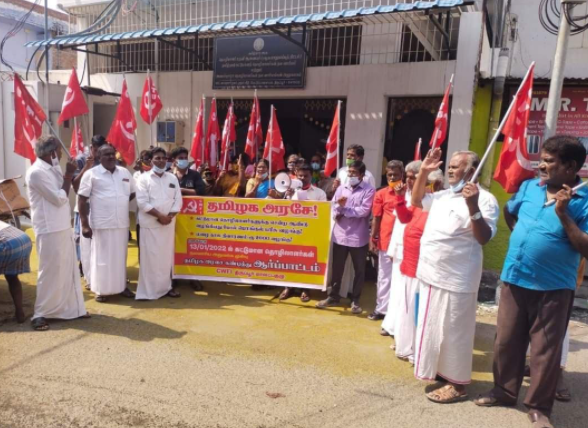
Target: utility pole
{"x":559,"y":64}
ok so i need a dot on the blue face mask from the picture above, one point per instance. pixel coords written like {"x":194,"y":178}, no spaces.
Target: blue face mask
{"x":315,"y":166}
{"x":158,"y":170}
{"x":456,"y":188}
{"x":183,"y":163}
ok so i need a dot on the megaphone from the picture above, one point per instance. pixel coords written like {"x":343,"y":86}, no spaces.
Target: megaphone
{"x":283,"y":182}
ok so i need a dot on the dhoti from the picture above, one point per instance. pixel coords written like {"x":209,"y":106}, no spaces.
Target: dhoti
{"x":108,"y":261}
{"x":396,"y":292}
{"x":384,"y":282}
{"x":406,"y":320}
{"x":85,"y":257}
{"x":59,"y":292}
{"x":157,"y":258}
{"x":445,"y":335}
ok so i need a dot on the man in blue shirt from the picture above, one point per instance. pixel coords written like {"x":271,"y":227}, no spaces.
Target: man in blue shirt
{"x":539,"y":276}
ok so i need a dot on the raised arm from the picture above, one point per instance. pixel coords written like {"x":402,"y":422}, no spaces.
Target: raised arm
{"x":431,"y":163}
{"x":577,"y":237}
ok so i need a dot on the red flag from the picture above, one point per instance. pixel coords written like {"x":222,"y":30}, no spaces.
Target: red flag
{"x":122,"y":132}
{"x":151,"y":103}
{"x":229,"y":136}
{"x":198,"y":138}
{"x":333,"y":143}
{"x":77,"y":142}
{"x":442,"y":119}
{"x":275,"y":143}
{"x":212,"y":136}
{"x":417,"y":150}
{"x":28,"y":121}
{"x":254,"y":134}
{"x":74,"y":103}
{"x":514,"y":165}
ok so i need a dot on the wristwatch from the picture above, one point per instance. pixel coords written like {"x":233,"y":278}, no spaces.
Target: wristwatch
{"x":476,"y":216}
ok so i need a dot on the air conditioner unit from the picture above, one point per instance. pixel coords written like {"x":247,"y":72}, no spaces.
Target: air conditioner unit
{"x":170,"y":132}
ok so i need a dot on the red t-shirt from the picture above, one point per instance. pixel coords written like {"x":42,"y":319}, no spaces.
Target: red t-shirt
{"x":412,"y":239}
{"x":385,"y":202}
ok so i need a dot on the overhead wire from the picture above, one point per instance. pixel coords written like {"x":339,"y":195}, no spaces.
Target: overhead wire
{"x":550,"y":14}
{"x":18,"y":26}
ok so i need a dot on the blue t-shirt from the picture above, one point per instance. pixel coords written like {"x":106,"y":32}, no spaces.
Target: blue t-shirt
{"x":540,"y":256}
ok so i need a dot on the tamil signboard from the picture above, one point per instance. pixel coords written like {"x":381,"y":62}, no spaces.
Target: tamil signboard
{"x":259,"y":62}
{"x":572,"y":119}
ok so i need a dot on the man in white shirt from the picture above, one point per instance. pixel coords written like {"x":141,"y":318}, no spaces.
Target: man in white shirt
{"x":109,"y":188}
{"x":159,"y":199}
{"x":59,"y":293}
{"x":307,"y":192}
{"x":461,"y":220}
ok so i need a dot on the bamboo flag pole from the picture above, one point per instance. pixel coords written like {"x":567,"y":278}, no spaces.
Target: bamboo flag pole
{"x":499,"y":129}
{"x":339,"y":103}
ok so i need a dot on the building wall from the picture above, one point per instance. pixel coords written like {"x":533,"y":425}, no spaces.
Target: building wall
{"x":14,"y":53}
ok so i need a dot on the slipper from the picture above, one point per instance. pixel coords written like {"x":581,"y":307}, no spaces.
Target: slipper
{"x":173,"y":293}
{"x":447,"y":394}
{"x":40,"y":324}
{"x":101,"y":299}
{"x":128,"y":294}
{"x":563,"y":395}
{"x":87,"y":287}
{"x":304,"y":298}
{"x":489,"y":400}
{"x":286,"y":294}
{"x":539,"y":420}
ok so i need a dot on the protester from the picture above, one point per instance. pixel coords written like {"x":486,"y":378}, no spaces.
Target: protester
{"x":109,"y":188}
{"x":191,"y":182}
{"x":260,"y":186}
{"x":355,"y":152}
{"x":382,"y":224}
{"x":15,"y":252}
{"x":539,"y":276}
{"x":395,"y":252}
{"x":159,"y":199}
{"x":291,"y":165}
{"x":307,"y":192}
{"x":232,"y":182}
{"x":85,"y":244}
{"x":415,"y":219}
{"x":352,"y":206}
{"x":59,"y":292}
{"x":209,"y":181}
{"x":142,"y":165}
{"x":461,"y":220}
{"x":316,"y":163}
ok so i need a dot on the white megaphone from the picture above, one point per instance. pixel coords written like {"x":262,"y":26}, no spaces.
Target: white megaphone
{"x":283,"y":183}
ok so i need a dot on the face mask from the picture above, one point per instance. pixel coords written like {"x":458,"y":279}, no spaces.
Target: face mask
{"x":168,"y":165}
{"x":183,"y":163}
{"x":145,"y":167}
{"x":263,"y":176}
{"x":158,"y":170}
{"x":315,"y":166}
{"x":55,"y":161}
{"x":431,"y":187}
{"x":349,"y":161}
{"x":354,"y":181}
{"x":456,"y":188}
{"x":393,"y":184}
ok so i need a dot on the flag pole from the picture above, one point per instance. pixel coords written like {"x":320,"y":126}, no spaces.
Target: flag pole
{"x":58,"y":138}
{"x":271,"y":131}
{"x":203,"y":143}
{"x":258,"y":113}
{"x":150,"y":109}
{"x":75,"y":132}
{"x":338,"y":135}
{"x":499,"y":129}
{"x":574,"y":190}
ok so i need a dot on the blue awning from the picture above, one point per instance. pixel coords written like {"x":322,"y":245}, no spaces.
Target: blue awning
{"x":257,"y":26}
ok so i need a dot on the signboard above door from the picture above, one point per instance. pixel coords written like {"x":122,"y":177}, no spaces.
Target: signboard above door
{"x":259,"y":62}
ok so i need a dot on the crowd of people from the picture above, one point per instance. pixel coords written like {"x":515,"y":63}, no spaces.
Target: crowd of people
{"x":428,"y":241}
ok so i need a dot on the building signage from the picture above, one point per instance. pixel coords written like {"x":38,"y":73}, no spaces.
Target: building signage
{"x":259,"y":62}
{"x":572,"y":119}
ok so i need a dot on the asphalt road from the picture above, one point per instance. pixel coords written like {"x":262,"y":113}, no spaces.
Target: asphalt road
{"x":233,"y":357}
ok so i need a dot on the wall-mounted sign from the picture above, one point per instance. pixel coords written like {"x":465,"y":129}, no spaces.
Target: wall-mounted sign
{"x":258,"y":62}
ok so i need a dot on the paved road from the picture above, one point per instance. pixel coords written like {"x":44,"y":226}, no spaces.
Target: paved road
{"x":233,"y":357}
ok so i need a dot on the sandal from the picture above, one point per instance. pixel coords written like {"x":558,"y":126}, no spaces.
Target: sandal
{"x":304,"y":297}
{"x":489,"y":400}
{"x":539,"y":420}
{"x":447,"y":394}
{"x":563,"y":395}
{"x":128,"y":294}
{"x":286,"y":294}
{"x":101,"y":299}
{"x":86,"y":316}
{"x":173,"y":293}
{"x":40,"y":324}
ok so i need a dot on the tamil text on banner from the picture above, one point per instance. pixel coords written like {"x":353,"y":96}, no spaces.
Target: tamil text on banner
{"x":253,"y":241}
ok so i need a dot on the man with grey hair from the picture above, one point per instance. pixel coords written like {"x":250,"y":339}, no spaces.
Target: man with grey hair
{"x":59,"y":292}
{"x":461,"y":220}
{"x":382,"y":226}
{"x":395,"y":252}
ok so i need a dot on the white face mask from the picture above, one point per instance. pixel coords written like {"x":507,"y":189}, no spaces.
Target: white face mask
{"x":354,"y":181}
{"x":158,"y":170}
{"x":55,"y":160}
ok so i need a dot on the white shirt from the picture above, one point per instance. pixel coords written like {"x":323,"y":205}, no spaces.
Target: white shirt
{"x":162,"y":193}
{"x":312,"y":194}
{"x":109,"y":196}
{"x":368,"y":177}
{"x":50,"y":210}
{"x":450,"y":257}
{"x":396,"y":247}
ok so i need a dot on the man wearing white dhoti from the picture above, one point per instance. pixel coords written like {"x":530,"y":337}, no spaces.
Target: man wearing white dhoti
{"x":461,"y":220}
{"x":159,"y":199}
{"x":109,"y":188}
{"x":59,"y":293}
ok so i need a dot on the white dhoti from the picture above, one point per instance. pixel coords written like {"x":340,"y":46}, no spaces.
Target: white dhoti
{"x":156,"y":264}
{"x":109,"y":261}
{"x":59,"y":292}
{"x":445,"y":335}
{"x":565,"y":350}
{"x":85,"y":257}
{"x":396,"y":292}
{"x":383,"y":284}
{"x":406,"y":319}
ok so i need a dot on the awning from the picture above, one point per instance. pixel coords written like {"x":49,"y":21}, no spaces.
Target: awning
{"x":377,"y":14}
